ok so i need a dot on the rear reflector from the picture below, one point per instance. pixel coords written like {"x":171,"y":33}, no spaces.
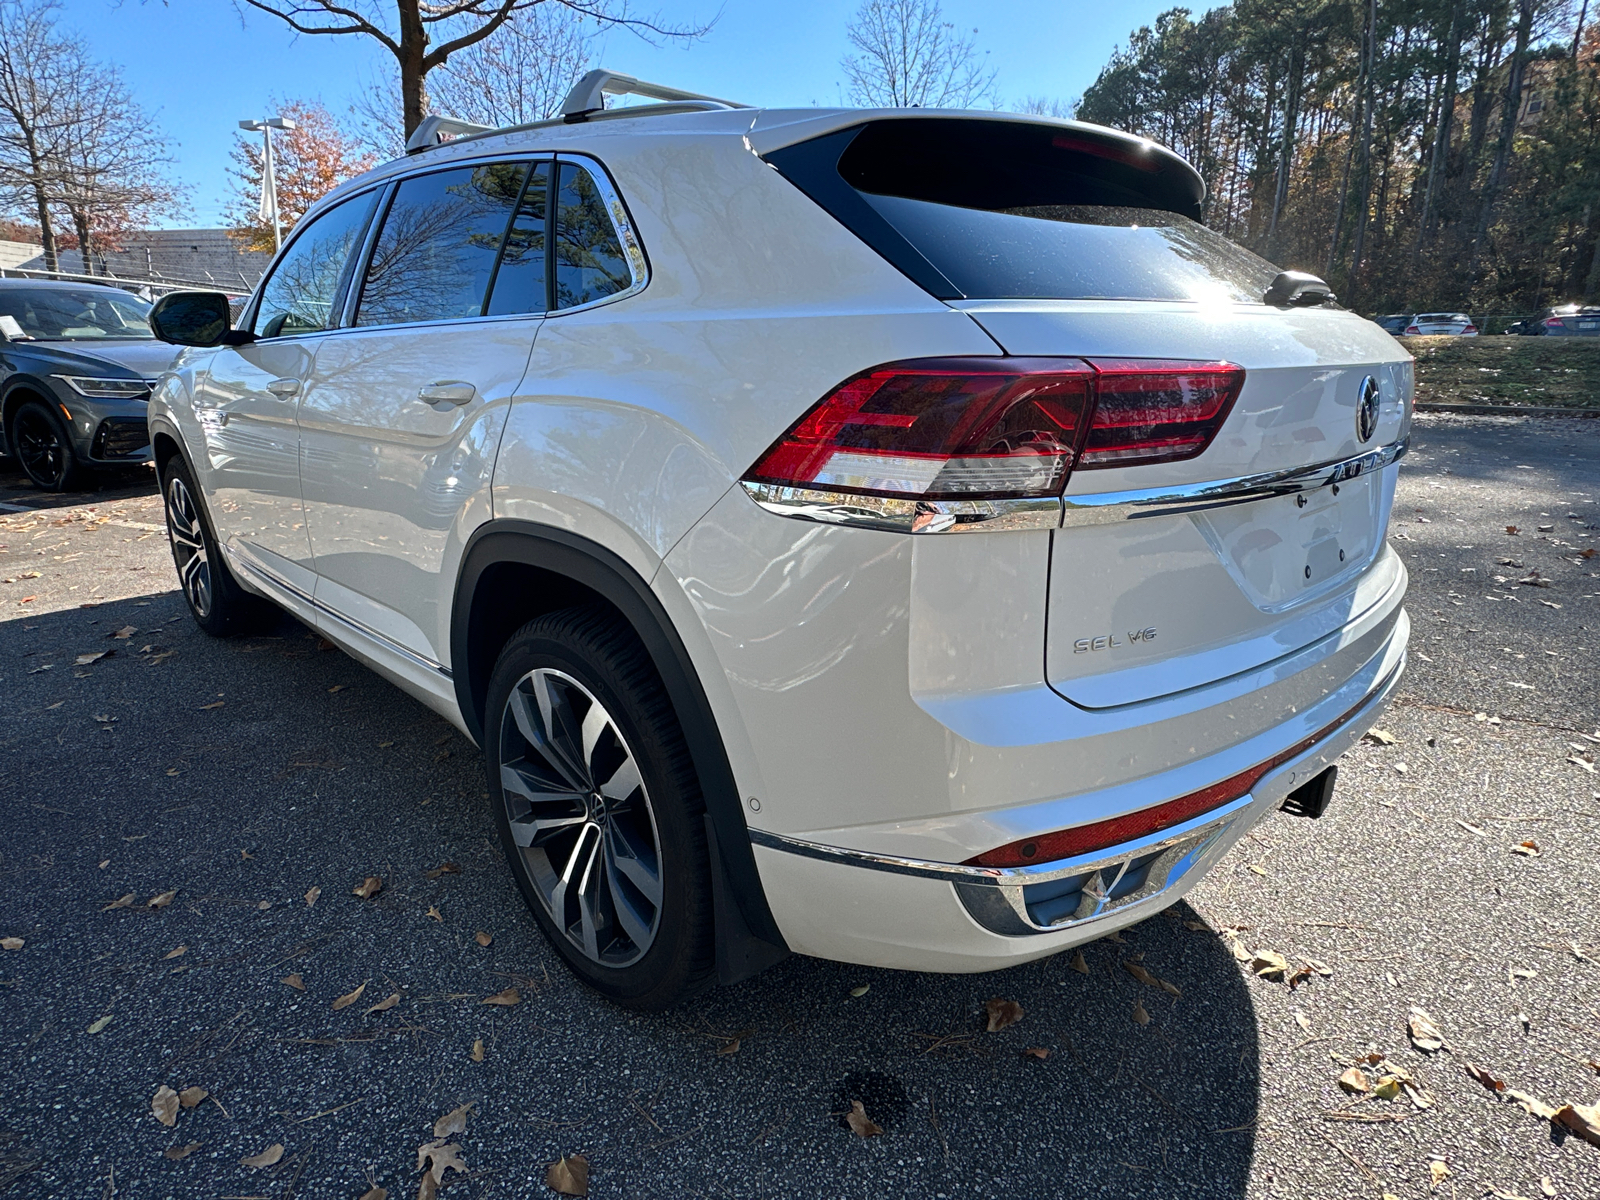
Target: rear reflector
{"x":1102,"y":835}
{"x":992,"y":428}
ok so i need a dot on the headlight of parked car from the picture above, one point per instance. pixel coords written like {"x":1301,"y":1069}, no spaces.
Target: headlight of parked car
{"x":107,"y":389}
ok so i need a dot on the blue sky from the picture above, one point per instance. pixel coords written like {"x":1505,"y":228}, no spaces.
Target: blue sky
{"x":198,"y":66}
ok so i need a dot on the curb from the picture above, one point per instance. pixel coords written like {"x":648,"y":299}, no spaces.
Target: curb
{"x":1502,"y":410}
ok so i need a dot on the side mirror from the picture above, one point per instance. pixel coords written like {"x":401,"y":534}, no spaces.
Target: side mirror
{"x":194,"y":319}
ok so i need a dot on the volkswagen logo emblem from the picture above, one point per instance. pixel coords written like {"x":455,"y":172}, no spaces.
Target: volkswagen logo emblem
{"x":1367,"y":410}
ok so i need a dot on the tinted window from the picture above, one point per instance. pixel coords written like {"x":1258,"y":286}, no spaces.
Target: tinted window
{"x":1078,"y":252}
{"x":436,"y":251}
{"x":519,"y":284}
{"x":589,"y":260}
{"x":299,"y":295}
{"x":52,"y":314}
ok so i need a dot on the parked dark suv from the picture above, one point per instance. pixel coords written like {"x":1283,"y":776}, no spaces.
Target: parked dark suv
{"x":76,"y":364}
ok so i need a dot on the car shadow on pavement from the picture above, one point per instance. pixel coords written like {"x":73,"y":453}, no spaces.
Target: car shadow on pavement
{"x":261,"y":779}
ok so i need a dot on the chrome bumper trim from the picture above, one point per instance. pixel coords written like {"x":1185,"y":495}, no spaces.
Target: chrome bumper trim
{"x":893,"y":515}
{"x":1100,"y":508}
{"x":996,"y":897}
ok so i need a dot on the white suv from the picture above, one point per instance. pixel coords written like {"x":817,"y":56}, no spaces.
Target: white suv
{"x":899,"y":536}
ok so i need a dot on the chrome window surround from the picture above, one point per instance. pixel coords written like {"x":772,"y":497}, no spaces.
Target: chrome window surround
{"x":996,"y":897}
{"x":895,"y":515}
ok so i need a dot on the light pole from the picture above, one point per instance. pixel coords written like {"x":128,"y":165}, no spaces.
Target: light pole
{"x":269,"y":184}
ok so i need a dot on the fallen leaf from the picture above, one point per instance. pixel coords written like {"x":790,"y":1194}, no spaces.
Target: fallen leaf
{"x":83,"y":660}
{"x":264,"y":905}
{"x":858,"y":992}
{"x":348,"y":998}
{"x":1139,"y":973}
{"x":1532,"y":1105}
{"x":731,"y":1046}
{"x":1438,"y":1171}
{"x":1584,"y":763}
{"x":1302,"y":1020}
{"x":311,"y":897}
{"x":123,"y":634}
{"x":213,"y":704}
{"x":1580,"y":1121}
{"x":178,"y":952}
{"x":100,"y":1024}
{"x":266,"y":1158}
{"x":12,"y":943}
{"x":1355,"y":1081}
{"x":384,"y":1005}
{"x":1472,"y":828}
{"x":1039,"y":1052}
{"x":164,"y":899}
{"x":1196,"y":926}
{"x":1545,"y":1186}
{"x":1387,"y":1087}
{"x":1320,"y":967}
{"x":1140,"y":1017}
{"x":294,"y":981}
{"x":1381,"y":737}
{"x":1238,"y":950}
{"x":1474,"y":1071}
{"x":477,"y":1050}
{"x":1078,"y":964}
{"x":179,"y":1153}
{"x":1257,"y":870}
{"x":435,"y":914}
{"x":569,"y":1175}
{"x":453,"y":1122}
{"x":482,"y":938}
{"x":1002,"y":1014}
{"x":368,"y":887}
{"x":1269,"y":964}
{"x":338,"y":687}
{"x":448,"y":868}
{"x":1511,"y":529}
{"x":1424,"y":1032}
{"x":164,"y":1105}
{"x":439,"y":1156}
{"x":1528,"y":849}
{"x":505,"y":999}
{"x":860,"y":1124}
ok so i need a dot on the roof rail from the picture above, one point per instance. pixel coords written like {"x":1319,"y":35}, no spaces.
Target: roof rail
{"x":436,"y":130}
{"x":589,"y":93}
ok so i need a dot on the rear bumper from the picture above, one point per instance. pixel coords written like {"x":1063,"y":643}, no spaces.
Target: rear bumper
{"x":889,"y":910}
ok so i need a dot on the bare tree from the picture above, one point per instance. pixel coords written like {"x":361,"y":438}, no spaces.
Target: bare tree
{"x":519,"y":76}
{"x":39,"y":76}
{"x":423,"y":34}
{"x":1048,"y":106}
{"x":907,"y":55}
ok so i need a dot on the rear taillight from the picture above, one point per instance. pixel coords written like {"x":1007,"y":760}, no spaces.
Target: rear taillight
{"x":994,"y":428}
{"x":1413,"y":329}
{"x":1470,"y":329}
{"x":1554,"y":323}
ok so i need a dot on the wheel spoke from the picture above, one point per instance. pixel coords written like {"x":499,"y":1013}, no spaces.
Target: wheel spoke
{"x":636,"y":926}
{"x":532,"y":715}
{"x":624,"y":781}
{"x":526,"y":830}
{"x":620,"y":855}
{"x":589,"y":903}
{"x":524,"y":783}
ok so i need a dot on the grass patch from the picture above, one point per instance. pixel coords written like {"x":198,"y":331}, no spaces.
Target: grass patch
{"x":1536,"y":372}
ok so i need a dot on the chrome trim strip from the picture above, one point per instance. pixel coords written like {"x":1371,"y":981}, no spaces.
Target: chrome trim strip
{"x":273,"y":580}
{"x":897,"y":515}
{"x":1101,"y":508}
{"x":893,"y":515}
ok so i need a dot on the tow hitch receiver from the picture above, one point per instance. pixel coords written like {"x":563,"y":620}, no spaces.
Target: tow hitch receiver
{"x":1311,"y":798}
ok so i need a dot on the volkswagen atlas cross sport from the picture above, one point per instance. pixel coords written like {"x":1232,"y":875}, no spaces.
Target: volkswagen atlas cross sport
{"x":904,"y":537}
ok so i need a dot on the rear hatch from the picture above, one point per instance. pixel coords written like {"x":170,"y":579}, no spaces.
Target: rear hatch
{"x":1073,"y":242}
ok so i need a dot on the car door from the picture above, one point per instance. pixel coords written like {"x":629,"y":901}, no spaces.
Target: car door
{"x":246,"y":402}
{"x":404,"y":409}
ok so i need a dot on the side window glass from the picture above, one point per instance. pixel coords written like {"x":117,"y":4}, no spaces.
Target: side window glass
{"x":589,"y":259}
{"x":519,"y":284}
{"x":299,"y":295}
{"x":437,"y":248}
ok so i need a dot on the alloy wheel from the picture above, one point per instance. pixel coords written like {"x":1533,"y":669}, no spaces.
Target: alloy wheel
{"x":40,"y":448}
{"x":189,"y":546}
{"x":581,"y":818}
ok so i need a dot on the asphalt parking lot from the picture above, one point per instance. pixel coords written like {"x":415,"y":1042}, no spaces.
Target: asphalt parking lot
{"x":1456,"y":872}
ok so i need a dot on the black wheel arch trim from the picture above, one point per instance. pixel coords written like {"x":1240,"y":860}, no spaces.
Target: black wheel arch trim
{"x":747,"y":936}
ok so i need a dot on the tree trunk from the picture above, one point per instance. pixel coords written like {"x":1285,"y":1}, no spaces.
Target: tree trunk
{"x":1510,"y":110}
{"x":1439,"y":157}
{"x":1291,"y":118}
{"x":1364,"y":177}
{"x":47,"y":231}
{"x":80,"y":221}
{"x":413,"y":72}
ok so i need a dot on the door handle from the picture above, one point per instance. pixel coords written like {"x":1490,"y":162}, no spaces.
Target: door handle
{"x":284,"y":389}
{"x":447,"y":394}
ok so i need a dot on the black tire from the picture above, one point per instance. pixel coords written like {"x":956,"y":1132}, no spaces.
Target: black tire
{"x":582,"y":661}
{"x":216,"y":601}
{"x":42,"y":444}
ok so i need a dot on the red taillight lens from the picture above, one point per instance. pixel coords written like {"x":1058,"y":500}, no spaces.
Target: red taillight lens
{"x":1151,"y":411}
{"x":988,"y":428}
{"x":1412,"y":329}
{"x":1554,"y":323}
{"x":1470,"y":329}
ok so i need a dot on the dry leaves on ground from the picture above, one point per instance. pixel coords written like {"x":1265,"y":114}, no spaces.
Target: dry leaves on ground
{"x":857,"y":992}
{"x":1039,"y":1052}
{"x":311,"y":896}
{"x":1381,"y":737}
{"x":179,"y":1153}
{"x":434,"y":912}
{"x":99,"y":1024}
{"x":860,"y":1124}
{"x":1144,"y":976}
{"x":1489,"y":1081}
{"x":1580,"y":1121}
{"x":482,"y":938}
{"x":177,"y":952}
{"x":1528,"y":849}
{"x":368,"y":887}
{"x":190,"y":1096}
{"x":505,"y":999}
{"x":375,"y":1193}
{"x":448,"y":868}
{"x":1078,"y":963}
{"x":11,"y":943}
{"x":453,"y":1122}
{"x":1002,"y":1014}
{"x":1424,"y":1031}
{"x":164,"y":1106}
{"x":123,"y":634}
{"x":1140,"y":1017}
{"x":349,"y":998}
{"x":1438,"y":1172}
{"x":477,"y":1050}
{"x":121,"y":902}
{"x":1355,"y":1081}
{"x":437,"y":1157}
{"x":384,"y":1005}
{"x":568,"y":1175}
{"x":164,"y":899}
{"x":294,"y":981}
{"x":1269,"y":964}
{"x":267,"y":1158}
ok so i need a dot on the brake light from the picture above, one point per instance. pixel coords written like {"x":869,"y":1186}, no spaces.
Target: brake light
{"x":1412,"y":329}
{"x":989,"y":428}
{"x":1470,"y":329}
{"x":1554,"y":323}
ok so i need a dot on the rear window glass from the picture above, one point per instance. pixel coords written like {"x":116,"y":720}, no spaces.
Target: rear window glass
{"x":985,"y":209}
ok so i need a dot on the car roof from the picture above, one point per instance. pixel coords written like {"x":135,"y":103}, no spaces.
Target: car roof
{"x":59,"y":285}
